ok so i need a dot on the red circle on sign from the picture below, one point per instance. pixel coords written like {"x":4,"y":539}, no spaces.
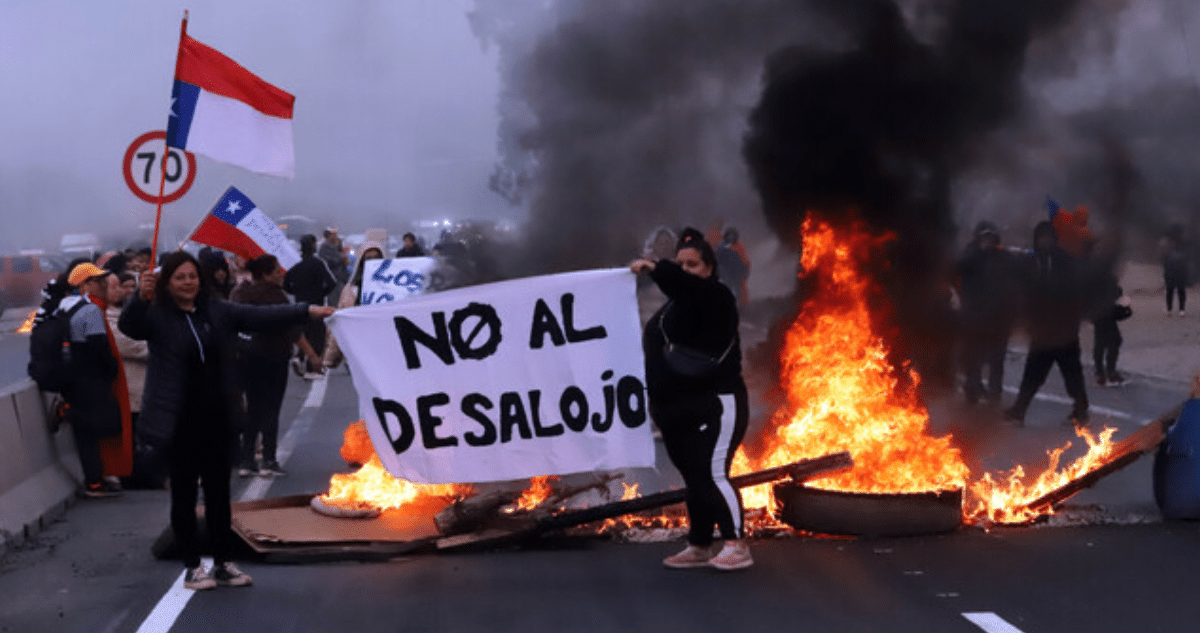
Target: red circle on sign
{"x":127,"y":168}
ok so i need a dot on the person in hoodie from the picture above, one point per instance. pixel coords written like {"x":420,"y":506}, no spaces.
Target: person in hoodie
{"x":264,"y":360}
{"x":702,"y":416}
{"x":986,"y":275}
{"x":1054,"y":293}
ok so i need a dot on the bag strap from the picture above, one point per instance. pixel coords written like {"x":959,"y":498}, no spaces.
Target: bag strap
{"x":662,"y":317}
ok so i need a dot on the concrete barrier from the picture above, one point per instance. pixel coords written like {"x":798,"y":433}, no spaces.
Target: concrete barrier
{"x":39,"y":471}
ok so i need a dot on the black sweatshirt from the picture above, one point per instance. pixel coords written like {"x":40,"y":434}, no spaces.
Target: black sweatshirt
{"x":700,"y":314}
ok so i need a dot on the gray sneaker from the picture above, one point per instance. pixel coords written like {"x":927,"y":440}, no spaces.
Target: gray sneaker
{"x":271,"y":469}
{"x":228,"y":575}
{"x":198,"y":579}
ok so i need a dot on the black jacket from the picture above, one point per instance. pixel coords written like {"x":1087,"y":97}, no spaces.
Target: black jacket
{"x":273,"y":344}
{"x":1054,"y":286}
{"x":988,"y":283}
{"x":701,"y":314}
{"x":310,"y":280}
{"x":188,"y":395}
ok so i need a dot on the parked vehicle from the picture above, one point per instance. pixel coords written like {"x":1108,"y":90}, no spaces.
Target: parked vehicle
{"x":23,"y":276}
{"x":75,"y":245}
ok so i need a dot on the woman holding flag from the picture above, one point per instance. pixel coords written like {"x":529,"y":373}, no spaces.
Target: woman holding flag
{"x":188,"y":402}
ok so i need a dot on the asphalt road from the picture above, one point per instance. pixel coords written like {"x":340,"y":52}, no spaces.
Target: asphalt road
{"x":92,"y":571}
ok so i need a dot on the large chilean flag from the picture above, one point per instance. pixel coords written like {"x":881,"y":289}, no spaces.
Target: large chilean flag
{"x":227,"y":113}
{"x":237,"y":226}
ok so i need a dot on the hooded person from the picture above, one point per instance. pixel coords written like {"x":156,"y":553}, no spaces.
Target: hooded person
{"x":1054,"y":299}
{"x":986,"y":275}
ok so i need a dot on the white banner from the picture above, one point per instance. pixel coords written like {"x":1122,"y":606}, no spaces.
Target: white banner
{"x":386,"y":280}
{"x":536,"y":376}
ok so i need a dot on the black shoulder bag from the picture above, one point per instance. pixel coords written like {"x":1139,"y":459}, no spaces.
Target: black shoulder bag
{"x":689,"y":361}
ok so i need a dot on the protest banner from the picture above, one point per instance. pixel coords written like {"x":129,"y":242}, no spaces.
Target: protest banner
{"x":387,"y":280}
{"x":536,"y":376}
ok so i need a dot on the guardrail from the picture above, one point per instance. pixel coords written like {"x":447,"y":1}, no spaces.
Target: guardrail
{"x":39,"y":470}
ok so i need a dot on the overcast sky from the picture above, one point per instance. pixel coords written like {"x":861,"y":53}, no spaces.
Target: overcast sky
{"x":394,"y":116}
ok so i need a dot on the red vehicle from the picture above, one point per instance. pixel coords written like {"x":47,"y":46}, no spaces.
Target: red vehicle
{"x":22,"y":278}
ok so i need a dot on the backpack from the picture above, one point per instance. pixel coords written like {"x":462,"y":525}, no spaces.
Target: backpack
{"x":50,"y":349}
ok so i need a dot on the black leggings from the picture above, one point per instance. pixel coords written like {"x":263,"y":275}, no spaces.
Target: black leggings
{"x":1177,"y":288}
{"x":266,"y":382}
{"x":193,"y":464}
{"x":701,"y":435}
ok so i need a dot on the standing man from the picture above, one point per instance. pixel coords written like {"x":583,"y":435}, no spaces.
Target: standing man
{"x":95,"y":413}
{"x":1054,"y":301}
{"x":410,"y":248}
{"x":986,"y":285}
{"x":334,"y":256}
{"x":310,"y":282}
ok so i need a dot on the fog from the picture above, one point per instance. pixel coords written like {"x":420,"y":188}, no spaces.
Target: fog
{"x":395,"y":116}
{"x":596,"y":121}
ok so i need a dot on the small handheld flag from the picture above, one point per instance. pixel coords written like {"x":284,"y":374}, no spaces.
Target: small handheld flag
{"x":236,"y":225}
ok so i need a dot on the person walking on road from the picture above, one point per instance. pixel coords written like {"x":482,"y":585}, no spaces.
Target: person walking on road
{"x":264,"y":360}
{"x":1105,"y":312}
{"x":188,"y":401}
{"x":1054,"y":299}
{"x":702,"y":411}
{"x":310,"y":281}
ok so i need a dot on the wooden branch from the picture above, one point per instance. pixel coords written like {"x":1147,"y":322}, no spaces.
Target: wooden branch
{"x":802,"y":470}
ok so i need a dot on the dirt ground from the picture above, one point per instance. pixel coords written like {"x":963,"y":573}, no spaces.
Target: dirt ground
{"x":1155,"y":344}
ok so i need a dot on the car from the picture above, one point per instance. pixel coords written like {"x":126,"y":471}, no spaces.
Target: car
{"x":22,"y":277}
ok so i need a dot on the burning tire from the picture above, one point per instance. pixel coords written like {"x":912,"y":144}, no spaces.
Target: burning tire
{"x":869,"y":515}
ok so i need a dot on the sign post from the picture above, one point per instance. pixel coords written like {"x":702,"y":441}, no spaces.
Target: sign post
{"x":143,"y":169}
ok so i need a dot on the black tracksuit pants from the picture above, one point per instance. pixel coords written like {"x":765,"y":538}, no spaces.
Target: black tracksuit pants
{"x":1037,"y":368}
{"x":1106,"y":346}
{"x":701,"y":435}
{"x":201,"y":462}
{"x":266,"y":382}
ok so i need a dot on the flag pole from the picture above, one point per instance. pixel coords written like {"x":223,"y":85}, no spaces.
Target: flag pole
{"x":162,"y":178}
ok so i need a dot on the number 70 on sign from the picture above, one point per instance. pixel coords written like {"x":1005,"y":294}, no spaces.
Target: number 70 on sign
{"x":143,"y":165}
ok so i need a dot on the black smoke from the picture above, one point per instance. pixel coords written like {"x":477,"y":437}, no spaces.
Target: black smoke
{"x":880,"y":130}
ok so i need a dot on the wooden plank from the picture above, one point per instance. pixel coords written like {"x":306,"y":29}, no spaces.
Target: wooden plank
{"x":1126,"y":452}
{"x":802,"y":470}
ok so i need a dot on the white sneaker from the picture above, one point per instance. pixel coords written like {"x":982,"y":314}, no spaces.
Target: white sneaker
{"x":1182,"y":313}
{"x":198,"y":579}
{"x":735,"y":555}
{"x":692,"y":556}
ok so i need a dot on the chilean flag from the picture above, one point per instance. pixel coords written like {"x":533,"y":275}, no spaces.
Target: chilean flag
{"x":227,"y":113}
{"x":237,"y":226}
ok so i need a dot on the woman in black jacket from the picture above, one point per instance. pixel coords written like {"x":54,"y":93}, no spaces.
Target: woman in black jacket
{"x":264,"y":367}
{"x":702,"y":417}
{"x":188,"y":402}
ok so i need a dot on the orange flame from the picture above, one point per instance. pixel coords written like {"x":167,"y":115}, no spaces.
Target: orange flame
{"x":539,"y":490}
{"x":372,"y":486}
{"x":27,"y":326}
{"x":1007,"y":500}
{"x":842,"y":393}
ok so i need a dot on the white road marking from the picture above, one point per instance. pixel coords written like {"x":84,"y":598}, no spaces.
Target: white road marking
{"x":1049,"y":397}
{"x":167,"y":611}
{"x":990,"y":622}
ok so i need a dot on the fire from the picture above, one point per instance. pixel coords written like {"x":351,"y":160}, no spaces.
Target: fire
{"x":1007,"y":500}
{"x":27,"y":326}
{"x":372,"y":486}
{"x":539,"y":490}
{"x":842,"y":392}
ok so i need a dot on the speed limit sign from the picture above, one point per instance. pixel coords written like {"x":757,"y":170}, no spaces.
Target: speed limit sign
{"x":143,"y":167}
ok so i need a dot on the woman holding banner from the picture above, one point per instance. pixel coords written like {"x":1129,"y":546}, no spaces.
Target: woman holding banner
{"x":188,"y":401}
{"x":697,"y":396}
